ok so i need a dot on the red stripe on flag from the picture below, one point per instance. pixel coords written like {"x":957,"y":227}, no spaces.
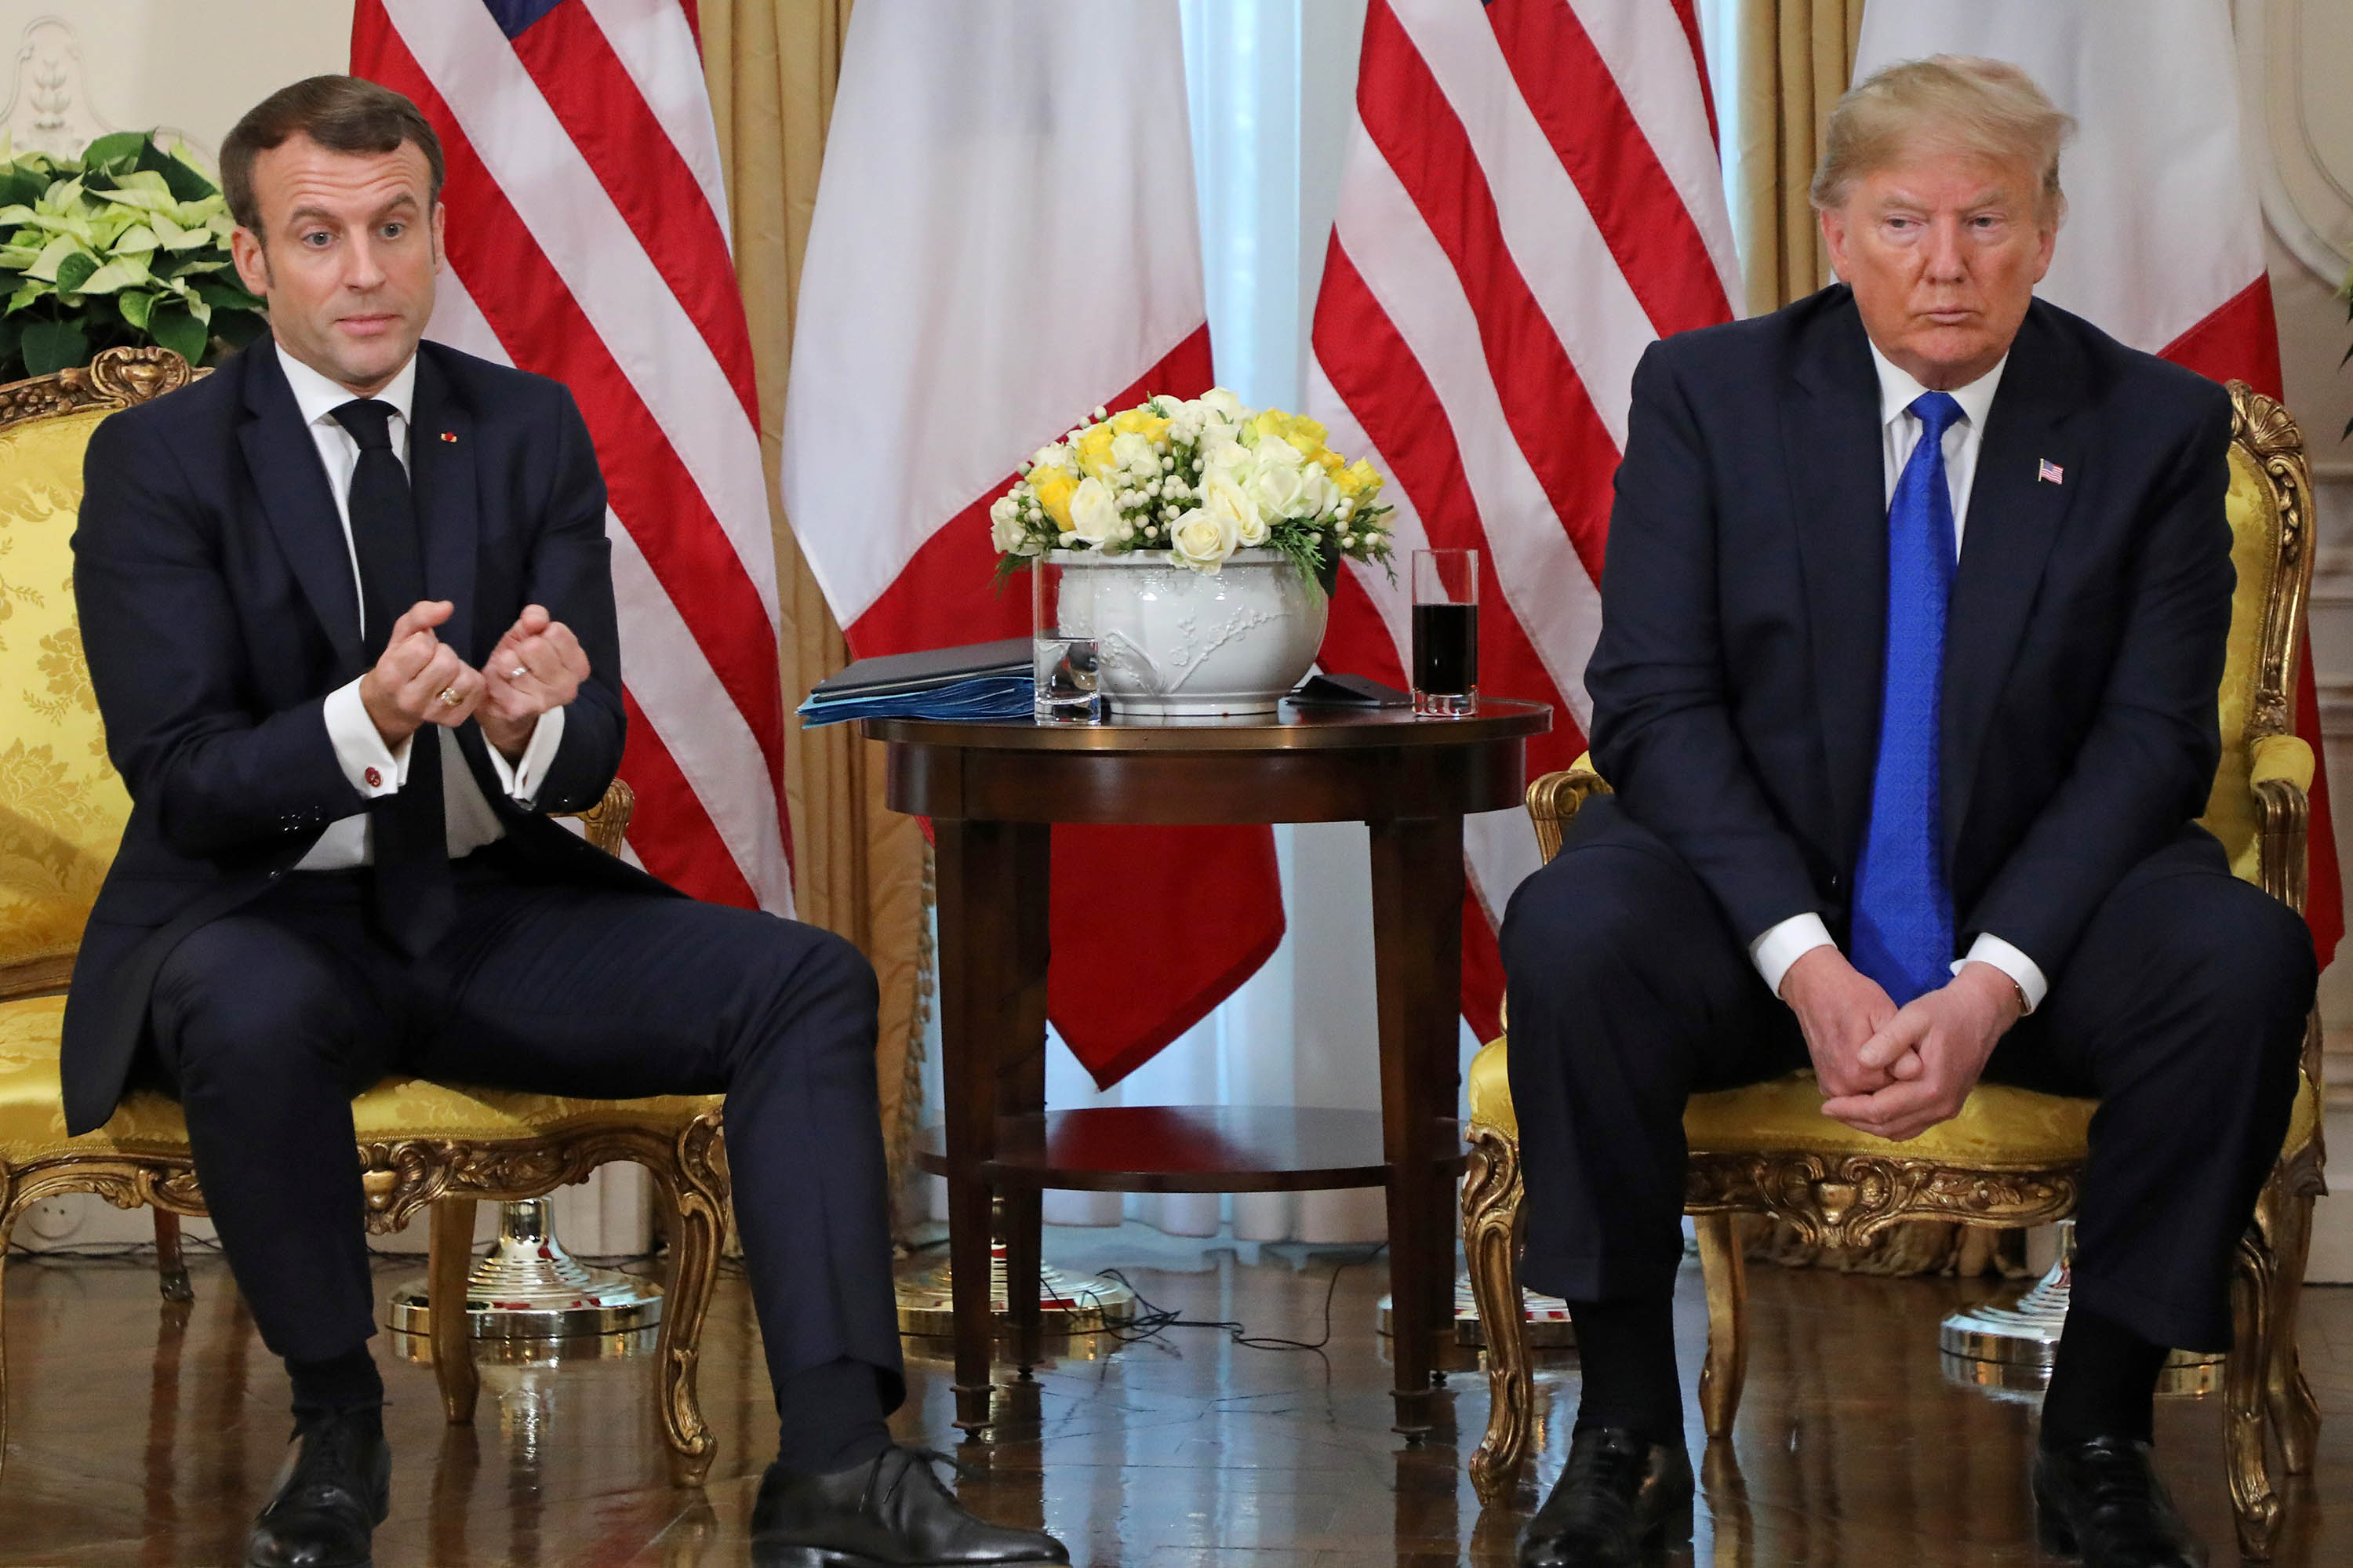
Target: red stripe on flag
{"x":2240,"y":341}
{"x":1688,"y":15}
{"x":671,"y":830}
{"x":1217,"y":893}
{"x":535,"y":314}
{"x":1544,"y":403}
{"x":635,"y":160}
{"x":694,"y":23}
{"x":1585,"y":116}
{"x":1376,"y":375}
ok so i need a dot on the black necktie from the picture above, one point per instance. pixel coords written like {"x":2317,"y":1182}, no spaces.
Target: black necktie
{"x":413,"y":900}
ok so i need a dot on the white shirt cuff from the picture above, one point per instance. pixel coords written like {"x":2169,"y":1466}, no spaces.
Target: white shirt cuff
{"x":522,"y":779}
{"x":1784,"y":944}
{"x":1990,"y":948}
{"x":373,"y":768}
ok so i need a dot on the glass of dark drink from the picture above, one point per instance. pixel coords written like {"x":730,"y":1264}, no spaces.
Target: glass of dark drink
{"x":1446,"y":633}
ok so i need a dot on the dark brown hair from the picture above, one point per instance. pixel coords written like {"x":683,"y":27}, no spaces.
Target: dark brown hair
{"x":341,"y":113}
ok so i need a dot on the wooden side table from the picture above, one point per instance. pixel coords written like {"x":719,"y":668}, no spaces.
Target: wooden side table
{"x":993,"y":790}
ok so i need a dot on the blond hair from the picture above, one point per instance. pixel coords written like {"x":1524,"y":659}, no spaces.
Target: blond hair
{"x":1952,"y":104}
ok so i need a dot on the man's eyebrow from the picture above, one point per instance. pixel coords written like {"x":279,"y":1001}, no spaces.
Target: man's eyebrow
{"x":406,"y":198}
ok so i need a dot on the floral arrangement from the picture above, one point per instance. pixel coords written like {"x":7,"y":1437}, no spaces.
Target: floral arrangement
{"x":127,"y":244}
{"x":1195,"y":480}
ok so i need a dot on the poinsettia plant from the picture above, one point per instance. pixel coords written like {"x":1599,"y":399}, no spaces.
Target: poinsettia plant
{"x":126,"y":244}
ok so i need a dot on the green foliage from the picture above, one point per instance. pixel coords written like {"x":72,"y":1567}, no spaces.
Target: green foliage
{"x":127,"y":244}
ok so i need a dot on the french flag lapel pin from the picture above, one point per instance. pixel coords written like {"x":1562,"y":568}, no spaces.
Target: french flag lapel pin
{"x":2050,"y":473}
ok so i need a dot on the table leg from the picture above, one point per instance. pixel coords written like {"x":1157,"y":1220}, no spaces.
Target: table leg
{"x":1022,"y":1091}
{"x":992,"y":991}
{"x":1417,"y":885}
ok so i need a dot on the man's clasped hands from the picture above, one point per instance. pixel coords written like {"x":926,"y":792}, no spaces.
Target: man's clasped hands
{"x":418,"y":679}
{"x":1895,"y":1072}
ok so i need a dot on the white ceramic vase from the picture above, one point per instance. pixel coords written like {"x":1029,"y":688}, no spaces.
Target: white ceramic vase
{"x":1173,"y":642}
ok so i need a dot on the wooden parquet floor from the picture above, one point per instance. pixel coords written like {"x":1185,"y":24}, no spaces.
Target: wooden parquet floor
{"x":138,"y":1438}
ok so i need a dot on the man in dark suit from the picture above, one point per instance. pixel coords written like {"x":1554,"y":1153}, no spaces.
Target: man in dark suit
{"x":1913,"y":616}
{"x":350,"y":618}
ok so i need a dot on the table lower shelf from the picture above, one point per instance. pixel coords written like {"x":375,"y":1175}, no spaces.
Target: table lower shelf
{"x":1192,"y":1148}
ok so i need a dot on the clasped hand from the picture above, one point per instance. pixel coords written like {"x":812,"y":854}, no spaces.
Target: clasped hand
{"x":1896,"y":1071}
{"x":418,"y":679}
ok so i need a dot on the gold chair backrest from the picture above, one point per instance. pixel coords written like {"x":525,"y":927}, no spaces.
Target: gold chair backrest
{"x":62,"y":807}
{"x":2270,"y":507}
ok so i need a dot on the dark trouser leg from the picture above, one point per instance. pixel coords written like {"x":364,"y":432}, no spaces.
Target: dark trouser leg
{"x":1628,"y":992}
{"x":569,"y":991}
{"x":264,"y":1032}
{"x":2183,"y":1010}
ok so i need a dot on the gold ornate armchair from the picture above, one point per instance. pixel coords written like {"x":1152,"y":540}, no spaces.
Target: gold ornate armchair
{"x":62,"y":811}
{"x":2011,"y":1157}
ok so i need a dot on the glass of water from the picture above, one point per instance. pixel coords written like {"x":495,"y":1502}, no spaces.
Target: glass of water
{"x":1063,"y":629}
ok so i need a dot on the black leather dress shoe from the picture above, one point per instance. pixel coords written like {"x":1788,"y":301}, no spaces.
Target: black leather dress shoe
{"x":892,"y":1513}
{"x":330,"y":1497}
{"x":1619,"y":1496}
{"x":2102,"y":1499}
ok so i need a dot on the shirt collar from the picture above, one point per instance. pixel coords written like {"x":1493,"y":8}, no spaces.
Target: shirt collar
{"x":1897,"y":390}
{"x":319,"y":396}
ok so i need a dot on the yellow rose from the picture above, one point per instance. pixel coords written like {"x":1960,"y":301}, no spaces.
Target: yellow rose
{"x":1055,"y":486}
{"x":1094,"y":448}
{"x":1358,"y":482}
{"x":1333,"y":461}
{"x":1140,"y":420}
{"x":1304,"y":434}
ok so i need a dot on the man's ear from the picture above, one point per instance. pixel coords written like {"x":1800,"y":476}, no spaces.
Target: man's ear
{"x":1834,"y":234}
{"x":441,"y":214}
{"x":252,"y":260}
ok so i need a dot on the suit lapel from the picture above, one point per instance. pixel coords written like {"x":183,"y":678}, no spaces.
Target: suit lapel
{"x":1832,"y":438}
{"x":2013,"y":519}
{"x":284,"y":463}
{"x":441,"y":481}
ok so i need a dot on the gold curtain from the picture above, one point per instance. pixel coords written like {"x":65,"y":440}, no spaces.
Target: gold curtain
{"x":1796,"y":56}
{"x":858,"y":867}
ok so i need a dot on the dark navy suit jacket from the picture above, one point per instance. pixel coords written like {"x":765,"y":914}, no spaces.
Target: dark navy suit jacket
{"x":218,"y":611}
{"x":1736,"y":683}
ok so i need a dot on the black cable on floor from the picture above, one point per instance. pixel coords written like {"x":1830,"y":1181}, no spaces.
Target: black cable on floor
{"x":1154,"y":1320}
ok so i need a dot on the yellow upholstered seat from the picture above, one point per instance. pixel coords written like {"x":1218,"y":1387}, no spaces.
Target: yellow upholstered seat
{"x":62,"y":814}
{"x":2011,"y":1156}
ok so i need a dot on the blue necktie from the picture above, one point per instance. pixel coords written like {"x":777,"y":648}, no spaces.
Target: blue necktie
{"x":1902,"y":910}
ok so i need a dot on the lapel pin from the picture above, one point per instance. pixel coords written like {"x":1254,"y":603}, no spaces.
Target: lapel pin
{"x":451,"y":436}
{"x":2049,"y":473}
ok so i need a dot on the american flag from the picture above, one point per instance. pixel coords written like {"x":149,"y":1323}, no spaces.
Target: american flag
{"x":1532,"y":196}
{"x":588,"y":241}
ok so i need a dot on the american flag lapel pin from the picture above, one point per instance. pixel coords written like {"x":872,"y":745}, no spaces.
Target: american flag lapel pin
{"x":2049,"y":473}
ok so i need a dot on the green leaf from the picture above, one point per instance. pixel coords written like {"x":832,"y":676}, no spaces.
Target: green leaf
{"x":180,"y":170}
{"x":159,"y":199}
{"x":74,"y":271}
{"x":224,"y":295}
{"x":26,"y":294}
{"x":136,"y":240}
{"x":136,"y":305}
{"x":172,"y":326}
{"x":21,"y":186}
{"x":53,"y":345}
{"x":237,"y":328}
{"x":11,"y":335}
{"x":123,"y":272}
{"x":53,"y":256}
{"x":123,"y":145}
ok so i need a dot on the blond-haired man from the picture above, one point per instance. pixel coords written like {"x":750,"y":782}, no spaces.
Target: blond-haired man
{"x":1915,"y":606}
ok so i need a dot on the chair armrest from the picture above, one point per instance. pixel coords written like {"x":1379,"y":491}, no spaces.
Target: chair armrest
{"x":606,"y":822}
{"x":1554,"y":799}
{"x":2287,"y":756}
{"x":2279,"y":769}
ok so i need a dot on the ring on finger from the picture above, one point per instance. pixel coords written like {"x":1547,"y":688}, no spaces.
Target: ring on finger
{"x":518,"y":673}
{"x":448,"y":697}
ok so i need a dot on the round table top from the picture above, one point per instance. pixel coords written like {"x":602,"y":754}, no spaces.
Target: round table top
{"x":1290,"y":728}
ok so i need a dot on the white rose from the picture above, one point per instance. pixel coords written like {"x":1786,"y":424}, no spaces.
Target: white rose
{"x":1226,"y":495}
{"x":1054,"y":456}
{"x":1278,"y":488}
{"x":1094,"y":512}
{"x":1202,"y":540}
{"x":1317,"y":493}
{"x":1005,"y":530}
{"x":1219,"y":449}
{"x":1229,"y":408}
{"x":1135,"y":453}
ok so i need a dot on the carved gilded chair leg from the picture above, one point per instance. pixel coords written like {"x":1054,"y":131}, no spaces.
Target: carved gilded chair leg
{"x":697,"y":1190}
{"x":1492,"y":1234}
{"x":448,"y":1261}
{"x":1726,"y":1273}
{"x":171,"y":1266}
{"x":2244,"y":1381}
{"x":2295,"y":1415}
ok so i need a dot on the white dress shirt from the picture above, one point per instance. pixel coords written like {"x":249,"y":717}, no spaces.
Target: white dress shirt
{"x":373,"y":768}
{"x":1785,"y":943}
